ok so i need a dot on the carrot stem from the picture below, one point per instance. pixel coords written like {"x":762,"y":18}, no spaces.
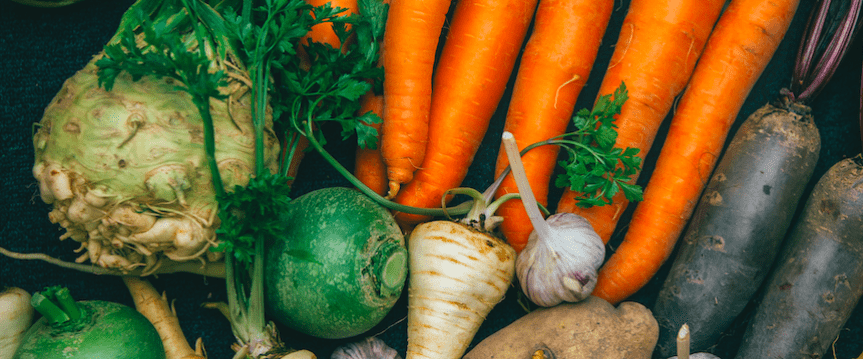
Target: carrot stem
{"x":540,"y":226}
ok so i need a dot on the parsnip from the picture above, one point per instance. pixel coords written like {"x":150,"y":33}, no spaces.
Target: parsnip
{"x":457,"y":274}
{"x":16,"y":316}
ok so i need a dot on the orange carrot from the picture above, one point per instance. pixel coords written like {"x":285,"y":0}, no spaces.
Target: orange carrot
{"x":369,"y":165}
{"x":413,"y":30}
{"x":659,"y":44}
{"x":475,"y":65}
{"x":302,"y":143}
{"x":554,"y":68}
{"x":739,"y":49}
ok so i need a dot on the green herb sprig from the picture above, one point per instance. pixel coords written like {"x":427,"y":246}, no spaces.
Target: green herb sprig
{"x":595,"y":168}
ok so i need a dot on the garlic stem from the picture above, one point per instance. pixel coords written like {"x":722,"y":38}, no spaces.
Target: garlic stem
{"x":540,"y":226}
{"x":683,"y":342}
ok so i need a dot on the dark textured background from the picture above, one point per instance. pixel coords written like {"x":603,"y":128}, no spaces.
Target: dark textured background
{"x":42,"y":47}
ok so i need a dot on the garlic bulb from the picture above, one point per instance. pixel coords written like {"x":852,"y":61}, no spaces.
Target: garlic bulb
{"x":563,"y":252}
{"x":561,"y":267}
{"x":368,"y":348}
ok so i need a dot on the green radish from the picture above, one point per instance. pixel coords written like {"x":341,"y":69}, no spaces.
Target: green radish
{"x":87,"y":329}
{"x":340,"y":266}
{"x":818,"y":279}
{"x":16,"y":316}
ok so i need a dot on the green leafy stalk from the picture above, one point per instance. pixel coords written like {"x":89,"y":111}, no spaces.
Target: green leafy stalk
{"x":57,"y":306}
{"x":595,"y":168}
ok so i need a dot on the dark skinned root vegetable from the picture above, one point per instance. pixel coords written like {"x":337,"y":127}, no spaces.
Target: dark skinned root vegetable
{"x":87,"y":329}
{"x":162,"y":315}
{"x":745,"y":212}
{"x":818,"y":279}
{"x":738,"y":225}
{"x":339,"y":269}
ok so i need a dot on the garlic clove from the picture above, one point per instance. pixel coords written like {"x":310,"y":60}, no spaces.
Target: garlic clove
{"x":562,"y":267}
{"x":368,"y":348}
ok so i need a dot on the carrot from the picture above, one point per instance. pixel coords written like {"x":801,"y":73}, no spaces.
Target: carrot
{"x":369,"y":166}
{"x":659,"y":44}
{"x":413,"y":30}
{"x":475,"y":65}
{"x":157,"y":310}
{"x":553,"y":70}
{"x":739,"y":49}
{"x":298,"y":144}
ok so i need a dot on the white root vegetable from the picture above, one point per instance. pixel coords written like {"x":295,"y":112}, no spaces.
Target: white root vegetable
{"x":156,"y":309}
{"x":683,"y":343}
{"x":457,"y":274}
{"x":16,"y":316}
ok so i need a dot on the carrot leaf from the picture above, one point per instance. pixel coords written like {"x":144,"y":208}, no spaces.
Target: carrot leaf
{"x":595,"y":168}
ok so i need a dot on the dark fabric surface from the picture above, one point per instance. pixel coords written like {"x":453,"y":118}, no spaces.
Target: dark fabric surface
{"x":42,"y":47}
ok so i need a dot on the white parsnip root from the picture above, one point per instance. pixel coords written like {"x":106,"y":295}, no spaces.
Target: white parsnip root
{"x":457,"y":274}
{"x":683,"y":346}
{"x":16,"y":316}
{"x":156,"y":309}
{"x":683,"y":342}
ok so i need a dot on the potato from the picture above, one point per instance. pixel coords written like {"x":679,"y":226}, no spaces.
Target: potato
{"x":592,"y":328}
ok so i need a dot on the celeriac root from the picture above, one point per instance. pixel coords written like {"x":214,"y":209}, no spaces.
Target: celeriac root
{"x":157,"y":310}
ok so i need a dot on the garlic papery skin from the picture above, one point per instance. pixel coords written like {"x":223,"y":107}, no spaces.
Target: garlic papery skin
{"x":368,"y":348}
{"x":561,"y":267}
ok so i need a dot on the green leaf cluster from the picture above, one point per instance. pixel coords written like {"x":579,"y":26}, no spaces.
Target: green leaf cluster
{"x":330,"y":89}
{"x":595,"y":168}
{"x":168,"y":46}
{"x":250,"y":213}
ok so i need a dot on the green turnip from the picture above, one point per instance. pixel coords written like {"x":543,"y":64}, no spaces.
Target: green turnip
{"x":339,"y":268}
{"x":87,"y":329}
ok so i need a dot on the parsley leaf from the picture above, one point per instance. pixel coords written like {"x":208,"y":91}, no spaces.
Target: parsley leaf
{"x":330,"y":88}
{"x":250,"y":213}
{"x":595,"y":168}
